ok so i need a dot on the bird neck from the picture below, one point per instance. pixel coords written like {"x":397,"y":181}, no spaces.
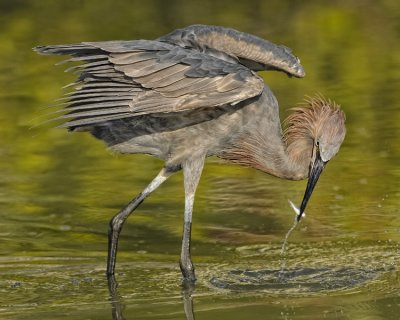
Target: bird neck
{"x":274,"y":154}
{"x":286,"y":155}
{"x":284,"y":161}
{"x":271,"y":154}
{"x":299,"y":154}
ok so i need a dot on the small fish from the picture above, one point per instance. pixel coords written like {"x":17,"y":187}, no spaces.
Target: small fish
{"x":297,"y":211}
{"x":295,"y":223}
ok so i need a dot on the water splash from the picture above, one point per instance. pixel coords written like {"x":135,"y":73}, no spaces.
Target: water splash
{"x":281,"y":274}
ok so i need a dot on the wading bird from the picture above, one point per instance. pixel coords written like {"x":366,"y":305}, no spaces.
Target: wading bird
{"x":191,"y":94}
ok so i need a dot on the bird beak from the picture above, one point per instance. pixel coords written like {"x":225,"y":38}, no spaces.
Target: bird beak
{"x":316,"y":168}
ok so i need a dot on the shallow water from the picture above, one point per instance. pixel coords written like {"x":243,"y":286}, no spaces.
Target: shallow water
{"x":59,"y":190}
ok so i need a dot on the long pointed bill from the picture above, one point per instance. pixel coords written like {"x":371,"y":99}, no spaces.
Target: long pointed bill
{"x":315,"y":172}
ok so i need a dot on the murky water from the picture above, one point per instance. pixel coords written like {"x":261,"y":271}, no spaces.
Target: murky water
{"x":59,"y":190}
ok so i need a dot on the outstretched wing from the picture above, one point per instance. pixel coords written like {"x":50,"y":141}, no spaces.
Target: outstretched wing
{"x":122,"y":79}
{"x":249,"y":50}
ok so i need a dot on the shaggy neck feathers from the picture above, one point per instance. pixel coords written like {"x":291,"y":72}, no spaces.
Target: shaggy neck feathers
{"x":289,"y":155}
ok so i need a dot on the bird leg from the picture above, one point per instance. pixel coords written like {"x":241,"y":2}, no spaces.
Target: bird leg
{"x":192,"y":172}
{"x":118,"y":220}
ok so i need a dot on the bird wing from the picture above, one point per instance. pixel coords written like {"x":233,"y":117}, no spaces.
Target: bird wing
{"x":249,"y":50}
{"x":129,"y":78}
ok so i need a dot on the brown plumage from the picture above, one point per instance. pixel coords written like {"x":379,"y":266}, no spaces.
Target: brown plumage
{"x":193,"y":94}
{"x":317,"y":121}
{"x":312,"y":119}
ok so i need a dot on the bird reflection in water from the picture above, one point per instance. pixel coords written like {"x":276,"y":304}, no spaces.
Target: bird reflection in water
{"x":117,"y":305}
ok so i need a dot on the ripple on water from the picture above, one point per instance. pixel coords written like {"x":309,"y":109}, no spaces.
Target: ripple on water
{"x":309,"y":268}
{"x":298,"y":280}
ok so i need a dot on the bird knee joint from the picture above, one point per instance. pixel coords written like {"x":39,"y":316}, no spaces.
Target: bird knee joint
{"x":116,"y":224}
{"x":171,"y":168}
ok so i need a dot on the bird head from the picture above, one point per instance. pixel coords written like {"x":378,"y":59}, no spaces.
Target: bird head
{"x":318,"y":123}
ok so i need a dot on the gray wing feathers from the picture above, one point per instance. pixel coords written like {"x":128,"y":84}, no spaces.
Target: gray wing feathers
{"x":142,"y":68}
{"x":128,"y":78}
{"x":251,"y":51}
{"x":121,"y":46}
{"x":93,"y":120}
{"x":196,"y":93}
{"x":163,"y":77}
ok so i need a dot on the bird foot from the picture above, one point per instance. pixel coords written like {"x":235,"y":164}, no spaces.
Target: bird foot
{"x":187,"y":270}
{"x":188,"y":282}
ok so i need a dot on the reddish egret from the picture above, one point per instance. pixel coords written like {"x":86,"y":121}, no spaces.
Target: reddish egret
{"x":192,"y":94}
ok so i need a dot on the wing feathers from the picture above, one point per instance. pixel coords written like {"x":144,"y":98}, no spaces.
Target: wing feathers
{"x":122,"y":79}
